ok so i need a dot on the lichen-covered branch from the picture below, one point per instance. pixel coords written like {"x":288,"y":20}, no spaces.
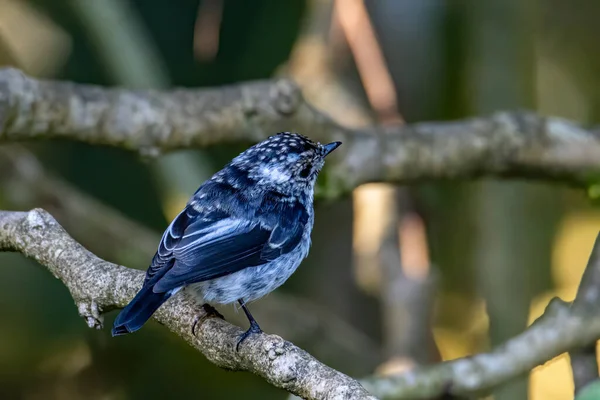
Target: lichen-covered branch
{"x":509,"y":144}
{"x":98,"y":286}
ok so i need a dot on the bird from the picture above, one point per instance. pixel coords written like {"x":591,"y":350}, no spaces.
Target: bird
{"x":241,"y":235}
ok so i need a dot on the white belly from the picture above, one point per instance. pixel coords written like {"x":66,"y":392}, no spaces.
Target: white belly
{"x":253,"y":282}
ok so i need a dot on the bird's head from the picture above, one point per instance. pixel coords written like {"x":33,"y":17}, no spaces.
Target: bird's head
{"x":286,"y":162}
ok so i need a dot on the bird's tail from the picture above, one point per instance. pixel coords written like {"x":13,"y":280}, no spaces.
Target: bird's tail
{"x":139,"y":310}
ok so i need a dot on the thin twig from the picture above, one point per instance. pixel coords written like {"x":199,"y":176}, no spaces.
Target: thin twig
{"x":557,"y":331}
{"x":561,"y":328}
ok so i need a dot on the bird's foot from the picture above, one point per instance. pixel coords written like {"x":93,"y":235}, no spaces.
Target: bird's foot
{"x":254,"y":329}
{"x":209,"y":312}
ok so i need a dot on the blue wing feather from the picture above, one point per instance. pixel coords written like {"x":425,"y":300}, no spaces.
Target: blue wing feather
{"x":232,"y":251}
{"x":209,"y":245}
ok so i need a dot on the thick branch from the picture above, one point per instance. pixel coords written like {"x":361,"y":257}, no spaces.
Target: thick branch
{"x":98,"y":286}
{"x":504,"y":144}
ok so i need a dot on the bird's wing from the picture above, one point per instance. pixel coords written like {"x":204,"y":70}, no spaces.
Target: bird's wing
{"x":163,"y":259}
{"x":210,"y":246}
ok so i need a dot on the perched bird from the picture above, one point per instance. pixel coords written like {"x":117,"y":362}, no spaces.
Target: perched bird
{"x":241,"y":235}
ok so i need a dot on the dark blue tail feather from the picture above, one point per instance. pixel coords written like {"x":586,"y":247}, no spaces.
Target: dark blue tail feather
{"x":139,"y":310}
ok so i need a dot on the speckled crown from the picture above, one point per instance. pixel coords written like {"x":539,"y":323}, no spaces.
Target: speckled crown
{"x":289,"y":142}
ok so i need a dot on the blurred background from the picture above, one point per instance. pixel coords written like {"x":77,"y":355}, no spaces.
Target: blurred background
{"x":397,"y":277}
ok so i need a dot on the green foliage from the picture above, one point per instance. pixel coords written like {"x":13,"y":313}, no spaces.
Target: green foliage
{"x":590,"y":392}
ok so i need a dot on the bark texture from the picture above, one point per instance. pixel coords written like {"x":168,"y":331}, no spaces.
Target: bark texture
{"x":98,"y":286}
{"x":505,"y":144}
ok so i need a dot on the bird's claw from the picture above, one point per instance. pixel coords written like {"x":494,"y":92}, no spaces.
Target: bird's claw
{"x":209,"y":312}
{"x":254,"y":329}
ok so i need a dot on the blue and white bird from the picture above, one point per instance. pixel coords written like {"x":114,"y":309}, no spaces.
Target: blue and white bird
{"x":241,"y":235}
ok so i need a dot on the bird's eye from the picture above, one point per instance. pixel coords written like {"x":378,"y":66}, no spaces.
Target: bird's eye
{"x":306,"y":172}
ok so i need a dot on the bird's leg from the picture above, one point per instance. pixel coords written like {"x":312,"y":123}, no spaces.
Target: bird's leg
{"x":209,"y":312}
{"x":254,"y":328}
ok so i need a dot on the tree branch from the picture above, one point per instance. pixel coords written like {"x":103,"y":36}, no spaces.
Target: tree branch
{"x":583,"y":361}
{"x":513,"y":144}
{"x":561,"y":328}
{"x":98,"y":286}
{"x":556,"y":332}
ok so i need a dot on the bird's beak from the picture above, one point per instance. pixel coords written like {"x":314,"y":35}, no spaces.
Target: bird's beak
{"x":331,"y":147}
